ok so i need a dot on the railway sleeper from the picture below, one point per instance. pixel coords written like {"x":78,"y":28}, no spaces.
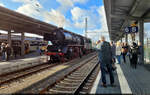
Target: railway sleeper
{"x":86,"y":88}
{"x":66,"y":87}
{"x":77,"y":75}
{"x":81,"y":72}
{"x":72,"y":81}
{"x":90,"y":81}
{"x":77,"y":78}
{"x":53,"y":91}
{"x":63,"y":88}
{"x":82,"y":92}
{"x":67,"y":84}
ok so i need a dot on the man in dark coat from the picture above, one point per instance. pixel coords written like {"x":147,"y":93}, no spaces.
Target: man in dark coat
{"x":15,"y":50}
{"x":8,"y":51}
{"x":134,"y":55}
{"x":105,"y":60}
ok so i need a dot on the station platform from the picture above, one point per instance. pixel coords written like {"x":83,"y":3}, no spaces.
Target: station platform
{"x":22,"y":62}
{"x":127,"y":81}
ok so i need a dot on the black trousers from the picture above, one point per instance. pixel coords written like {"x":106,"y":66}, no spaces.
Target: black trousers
{"x":8,"y":57}
{"x":104,"y":69}
{"x":133,"y":61}
{"x":124,"y":57}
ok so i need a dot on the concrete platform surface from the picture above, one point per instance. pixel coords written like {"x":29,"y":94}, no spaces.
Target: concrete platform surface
{"x":127,"y":81}
{"x":13,"y":65}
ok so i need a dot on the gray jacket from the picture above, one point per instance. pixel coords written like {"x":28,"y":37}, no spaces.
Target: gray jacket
{"x":105,"y":53}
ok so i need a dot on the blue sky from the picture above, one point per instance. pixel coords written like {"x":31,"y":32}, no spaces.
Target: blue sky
{"x":69,"y":14}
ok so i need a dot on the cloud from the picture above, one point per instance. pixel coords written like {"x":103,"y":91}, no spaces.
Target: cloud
{"x":26,"y":1}
{"x":56,"y":18}
{"x":28,"y":9}
{"x":1,"y":4}
{"x":95,"y":15}
{"x":103,"y":30}
{"x":66,"y":5}
{"x":79,"y":15}
{"x":102,"y":18}
{"x":80,"y":1}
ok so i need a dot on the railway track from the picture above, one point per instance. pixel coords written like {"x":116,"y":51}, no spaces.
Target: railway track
{"x":77,"y":81}
{"x":10,"y":77}
{"x":19,"y":74}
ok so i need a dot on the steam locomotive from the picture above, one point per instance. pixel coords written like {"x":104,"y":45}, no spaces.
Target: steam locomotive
{"x":66,"y":45}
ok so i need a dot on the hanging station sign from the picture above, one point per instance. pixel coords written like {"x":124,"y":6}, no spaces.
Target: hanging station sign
{"x":131,"y":29}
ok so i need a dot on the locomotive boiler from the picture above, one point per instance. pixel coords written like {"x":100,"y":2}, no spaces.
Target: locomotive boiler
{"x":66,"y":45}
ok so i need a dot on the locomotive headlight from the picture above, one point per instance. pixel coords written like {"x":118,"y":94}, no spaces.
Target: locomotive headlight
{"x":59,"y":50}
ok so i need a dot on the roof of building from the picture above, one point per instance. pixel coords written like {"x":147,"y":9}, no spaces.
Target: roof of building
{"x":122,"y":13}
{"x":12,"y":20}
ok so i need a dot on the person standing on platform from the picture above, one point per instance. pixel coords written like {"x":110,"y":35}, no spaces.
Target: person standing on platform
{"x":134,"y":55}
{"x":124,"y":51}
{"x":15,"y":50}
{"x":105,"y":60}
{"x":8,"y":51}
{"x":113,"y":50}
{"x":140,"y":53}
{"x":118,"y":52}
{"x":3,"y":50}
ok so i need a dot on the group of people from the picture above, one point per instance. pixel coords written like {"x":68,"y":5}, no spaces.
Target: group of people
{"x":133,"y":52}
{"x":108,"y":52}
{"x":5,"y":51}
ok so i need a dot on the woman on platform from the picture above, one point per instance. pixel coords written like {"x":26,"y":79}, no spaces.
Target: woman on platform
{"x":118,"y":52}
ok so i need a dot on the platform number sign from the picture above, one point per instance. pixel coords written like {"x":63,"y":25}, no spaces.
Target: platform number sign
{"x":127,"y":29}
{"x":133,"y":29}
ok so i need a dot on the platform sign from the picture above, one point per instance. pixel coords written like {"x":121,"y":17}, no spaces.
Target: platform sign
{"x":134,"y":29}
{"x":127,"y":30}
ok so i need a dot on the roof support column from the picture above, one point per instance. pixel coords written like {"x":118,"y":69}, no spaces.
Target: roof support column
{"x":22,"y":43}
{"x":141,"y":39}
{"x":121,"y":40}
{"x":9,"y":38}
{"x":126,"y":38}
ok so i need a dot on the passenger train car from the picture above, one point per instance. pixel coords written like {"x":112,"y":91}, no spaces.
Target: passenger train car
{"x":66,"y":45}
{"x":31,"y":43}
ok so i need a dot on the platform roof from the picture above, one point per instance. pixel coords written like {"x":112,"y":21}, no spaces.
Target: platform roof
{"x":121,"y":13}
{"x":11,"y":20}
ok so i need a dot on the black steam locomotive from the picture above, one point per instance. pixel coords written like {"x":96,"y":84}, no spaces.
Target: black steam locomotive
{"x":66,"y":45}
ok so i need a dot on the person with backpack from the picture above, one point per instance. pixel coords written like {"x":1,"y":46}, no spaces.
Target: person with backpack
{"x":134,"y":55}
{"x":105,"y":60}
{"x":124,"y":51}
